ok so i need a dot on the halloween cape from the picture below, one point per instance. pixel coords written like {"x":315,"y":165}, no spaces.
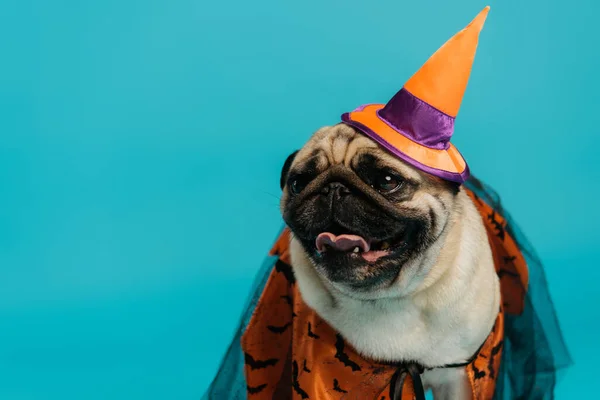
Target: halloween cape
{"x":283,"y":350}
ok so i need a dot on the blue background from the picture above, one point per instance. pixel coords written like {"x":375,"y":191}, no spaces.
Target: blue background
{"x":140,"y":150}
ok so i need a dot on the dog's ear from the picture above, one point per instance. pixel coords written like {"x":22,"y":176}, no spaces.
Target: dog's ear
{"x":286,"y":169}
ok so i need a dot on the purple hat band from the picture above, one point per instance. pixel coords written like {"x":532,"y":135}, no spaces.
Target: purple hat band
{"x":418,"y":121}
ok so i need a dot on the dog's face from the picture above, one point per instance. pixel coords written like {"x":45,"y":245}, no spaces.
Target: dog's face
{"x":360,"y":214}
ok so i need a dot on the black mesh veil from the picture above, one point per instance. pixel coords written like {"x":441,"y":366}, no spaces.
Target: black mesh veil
{"x":229,"y":382}
{"x":534,"y":349}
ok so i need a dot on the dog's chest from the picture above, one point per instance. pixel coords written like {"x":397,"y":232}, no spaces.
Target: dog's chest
{"x":397,"y":331}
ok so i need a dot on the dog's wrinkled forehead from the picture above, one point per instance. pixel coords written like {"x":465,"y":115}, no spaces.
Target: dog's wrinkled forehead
{"x":343,"y":145}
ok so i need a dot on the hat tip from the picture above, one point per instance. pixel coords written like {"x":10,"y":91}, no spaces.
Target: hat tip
{"x":479,"y":20}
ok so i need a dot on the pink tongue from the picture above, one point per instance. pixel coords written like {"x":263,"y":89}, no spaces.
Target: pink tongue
{"x":341,"y":242}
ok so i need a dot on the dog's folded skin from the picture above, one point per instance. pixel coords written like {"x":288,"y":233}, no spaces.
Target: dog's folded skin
{"x":420,"y":282}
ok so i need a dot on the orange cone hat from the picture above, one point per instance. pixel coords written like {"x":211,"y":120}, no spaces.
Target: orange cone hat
{"x":417,"y":124}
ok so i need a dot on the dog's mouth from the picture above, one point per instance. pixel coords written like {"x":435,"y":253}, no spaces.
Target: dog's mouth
{"x":358,"y":246}
{"x":361,"y":258}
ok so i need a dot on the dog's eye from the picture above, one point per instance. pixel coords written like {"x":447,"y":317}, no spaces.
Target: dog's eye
{"x":387,"y":183}
{"x":298,"y":183}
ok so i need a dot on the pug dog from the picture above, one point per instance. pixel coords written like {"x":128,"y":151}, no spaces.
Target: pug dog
{"x":394,"y":259}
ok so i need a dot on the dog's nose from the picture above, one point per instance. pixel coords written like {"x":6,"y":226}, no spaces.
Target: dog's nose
{"x":336,"y":188}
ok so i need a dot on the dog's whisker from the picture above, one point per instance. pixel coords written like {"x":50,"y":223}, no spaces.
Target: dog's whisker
{"x":272,"y":195}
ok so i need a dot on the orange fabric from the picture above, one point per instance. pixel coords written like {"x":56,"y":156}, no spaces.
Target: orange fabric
{"x":442,"y":80}
{"x":446,"y":160}
{"x":281,"y":247}
{"x":292,"y":354}
{"x":510,"y":263}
